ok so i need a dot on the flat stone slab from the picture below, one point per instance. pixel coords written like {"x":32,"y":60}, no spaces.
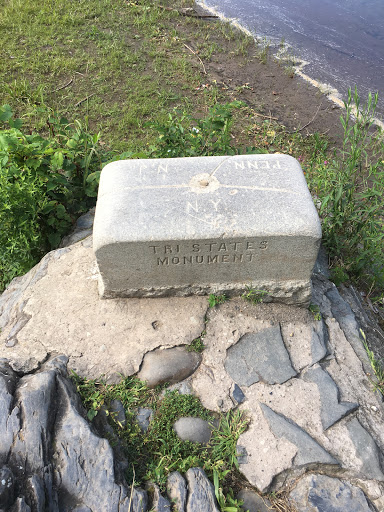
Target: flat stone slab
{"x":332,"y":410}
{"x":107,"y":337}
{"x":308,"y":450}
{"x":206,"y":225}
{"x":259,"y":356}
{"x":318,"y":493}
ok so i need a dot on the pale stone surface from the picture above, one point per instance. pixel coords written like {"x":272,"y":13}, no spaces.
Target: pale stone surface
{"x":64,"y":312}
{"x":308,"y":451}
{"x":305,"y":343}
{"x":366,"y":451}
{"x":267,"y":454}
{"x":319,"y":493}
{"x":206,"y":225}
{"x":331,"y":409}
{"x":57,"y":302}
{"x":168,"y":365}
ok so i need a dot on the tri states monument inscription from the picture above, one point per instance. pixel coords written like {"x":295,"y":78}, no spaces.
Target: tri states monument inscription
{"x":206,"y":225}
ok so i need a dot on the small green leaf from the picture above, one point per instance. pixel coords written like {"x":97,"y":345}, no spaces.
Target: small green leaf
{"x":5,"y":113}
{"x":57,"y":160}
{"x":16,"y":123}
{"x":91,"y":414}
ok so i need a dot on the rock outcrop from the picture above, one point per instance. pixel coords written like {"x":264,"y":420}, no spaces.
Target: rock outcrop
{"x":51,"y":457}
{"x":304,"y":381}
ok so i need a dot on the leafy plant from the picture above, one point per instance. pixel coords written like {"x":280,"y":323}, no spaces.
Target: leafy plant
{"x":159,"y":451}
{"x":227,"y":503}
{"x":254,"y":296}
{"x":339,"y":275}
{"x":315,"y":310}
{"x":225,"y":437}
{"x":45,"y":184}
{"x":376,"y":365}
{"x":197,"y":345}
{"x":214,"y":300}
{"x":351,"y":191}
{"x":183,"y":135}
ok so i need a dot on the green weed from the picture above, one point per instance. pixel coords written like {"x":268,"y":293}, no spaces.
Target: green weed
{"x":45,"y":184}
{"x":214,"y":300}
{"x":263,"y":52}
{"x":350,"y":187}
{"x":197,"y":345}
{"x":377,"y":366}
{"x":338,"y":275}
{"x":254,"y":296}
{"x":159,"y":451}
{"x":227,"y":502}
{"x":315,"y":310}
{"x":183,"y":135}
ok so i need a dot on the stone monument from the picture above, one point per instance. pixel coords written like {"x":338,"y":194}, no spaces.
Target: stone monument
{"x":221,"y":224}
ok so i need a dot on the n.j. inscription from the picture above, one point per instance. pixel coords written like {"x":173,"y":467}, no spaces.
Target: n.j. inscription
{"x":207,"y":253}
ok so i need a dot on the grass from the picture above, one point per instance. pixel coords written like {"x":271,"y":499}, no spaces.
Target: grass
{"x":119,"y":55}
{"x":159,"y":451}
{"x":253,"y":295}
{"x":130,"y":69}
{"x":350,"y":187}
{"x":197,"y":345}
{"x":315,"y":310}
{"x":377,"y":367}
{"x":214,"y":300}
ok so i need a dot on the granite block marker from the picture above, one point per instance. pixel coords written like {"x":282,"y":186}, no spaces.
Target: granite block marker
{"x":183,"y":226}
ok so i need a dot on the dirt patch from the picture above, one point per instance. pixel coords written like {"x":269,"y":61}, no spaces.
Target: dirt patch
{"x":265,"y":84}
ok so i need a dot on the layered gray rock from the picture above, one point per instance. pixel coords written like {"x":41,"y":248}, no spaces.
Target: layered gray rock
{"x":259,"y":356}
{"x":59,"y":462}
{"x":82,"y":229}
{"x":168,"y":365}
{"x":319,"y":493}
{"x":236,"y":394}
{"x":306,"y":344}
{"x":143,"y":417}
{"x":177,"y":491}
{"x":203,"y":225}
{"x":21,"y":506}
{"x":116,"y":409}
{"x":7,"y":488}
{"x":159,"y":503}
{"x":201,"y":492}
